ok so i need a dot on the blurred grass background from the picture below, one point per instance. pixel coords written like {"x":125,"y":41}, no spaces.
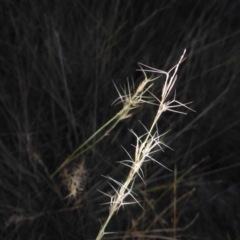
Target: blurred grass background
{"x":57,"y":62}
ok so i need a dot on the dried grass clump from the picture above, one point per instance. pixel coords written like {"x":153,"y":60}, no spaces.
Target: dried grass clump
{"x":74,"y":181}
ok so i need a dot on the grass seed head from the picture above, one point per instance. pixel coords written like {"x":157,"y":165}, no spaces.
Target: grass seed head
{"x":75,"y":180}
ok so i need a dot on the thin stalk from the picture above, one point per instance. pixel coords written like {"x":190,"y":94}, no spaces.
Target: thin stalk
{"x":101,"y":232}
{"x":73,"y":155}
{"x":133,"y":102}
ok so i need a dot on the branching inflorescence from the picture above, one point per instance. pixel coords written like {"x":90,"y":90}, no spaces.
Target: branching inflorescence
{"x":146,"y":144}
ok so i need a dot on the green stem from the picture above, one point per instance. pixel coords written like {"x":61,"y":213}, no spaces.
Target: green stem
{"x":77,"y":151}
{"x":101,"y":232}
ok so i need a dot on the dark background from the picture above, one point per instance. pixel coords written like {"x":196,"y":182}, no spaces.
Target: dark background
{"x":57,"y":63}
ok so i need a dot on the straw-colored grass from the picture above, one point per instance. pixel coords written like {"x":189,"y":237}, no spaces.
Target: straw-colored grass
{"x":146,"y":144}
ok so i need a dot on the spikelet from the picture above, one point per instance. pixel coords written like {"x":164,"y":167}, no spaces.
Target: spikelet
{"x":74,"y":181}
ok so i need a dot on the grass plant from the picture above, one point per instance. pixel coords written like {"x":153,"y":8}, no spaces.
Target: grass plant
{"x":61,"y":130}
{"x":145,"y":146}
